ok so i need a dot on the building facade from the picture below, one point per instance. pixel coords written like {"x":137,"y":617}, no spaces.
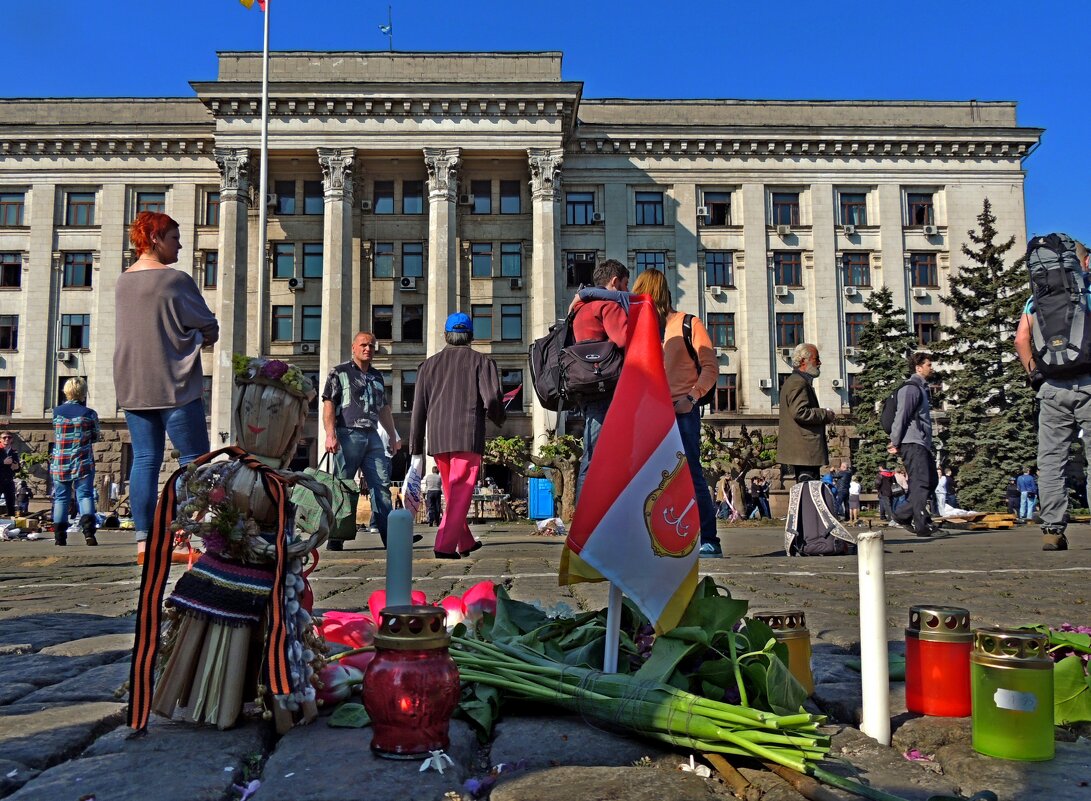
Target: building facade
{"x":405,"y":186}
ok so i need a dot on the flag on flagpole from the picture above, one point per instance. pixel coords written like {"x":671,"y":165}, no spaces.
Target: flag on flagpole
{"x":510,"y":396}
{"x":637,"y":523}
{"x":250,"y":4}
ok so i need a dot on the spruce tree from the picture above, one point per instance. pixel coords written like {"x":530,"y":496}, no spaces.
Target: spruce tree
{"x":882,"y":349}
{"x":991,"y":432}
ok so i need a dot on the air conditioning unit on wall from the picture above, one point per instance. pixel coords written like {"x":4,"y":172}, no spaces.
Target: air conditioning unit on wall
{"x":65,"y":356}
{"x":851,"y":291}
{"x":920,"y":292}
{"x":407,"y":283}
{"x":837,"y":383}
{"x":930,"y":230}
{"x":850,"y":230}
{"x":596,"y":217}
{"x":465,"y":200}
{"x":765,"y":383}
{"x":365,"y":205}
{"x":780,"y":291}
{"x":784,"y":230}
{"x":308,"y":347}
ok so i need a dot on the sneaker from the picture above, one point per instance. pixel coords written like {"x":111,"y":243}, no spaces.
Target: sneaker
{"x":934,"y":532}
{"x":710,"y":549}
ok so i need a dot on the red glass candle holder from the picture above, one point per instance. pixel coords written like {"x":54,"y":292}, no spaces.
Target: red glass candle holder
{"x":938,"y":642}
{"x":411,"y":687}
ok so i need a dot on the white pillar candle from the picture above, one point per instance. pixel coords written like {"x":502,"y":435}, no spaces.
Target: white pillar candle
{"x":399,"y":558}
{"x":874,"y":664}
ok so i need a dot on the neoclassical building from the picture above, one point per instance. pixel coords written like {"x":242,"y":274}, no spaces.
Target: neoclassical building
{"x":405,"y":186}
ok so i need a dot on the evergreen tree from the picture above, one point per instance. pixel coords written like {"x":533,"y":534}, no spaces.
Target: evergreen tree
{"x":882,"y":348}
{"x":991,"y":432}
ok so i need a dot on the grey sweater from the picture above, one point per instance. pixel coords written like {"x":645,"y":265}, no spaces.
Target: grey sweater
{"x":913,"y":420}
{"x":162,"y":324}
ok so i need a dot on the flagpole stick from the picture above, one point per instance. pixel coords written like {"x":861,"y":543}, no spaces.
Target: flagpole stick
{"x":263,"y":185}
{"x":874,"y":664}
{"x":613,"y":629}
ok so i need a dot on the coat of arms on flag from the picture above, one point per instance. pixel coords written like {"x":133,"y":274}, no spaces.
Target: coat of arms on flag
{"x":637,"y":523}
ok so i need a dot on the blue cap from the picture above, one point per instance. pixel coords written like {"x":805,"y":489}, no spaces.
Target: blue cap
{"x":459,"y":321}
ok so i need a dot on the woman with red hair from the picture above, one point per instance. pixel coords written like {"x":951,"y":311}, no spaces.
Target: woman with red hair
{"x":162,"y":324}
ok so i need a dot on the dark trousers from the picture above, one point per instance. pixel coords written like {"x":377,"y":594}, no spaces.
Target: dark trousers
{"x":886,"y":504}
{"x":7,"y":489}
{"x":920,"y":468}
{"x":432,"y":504}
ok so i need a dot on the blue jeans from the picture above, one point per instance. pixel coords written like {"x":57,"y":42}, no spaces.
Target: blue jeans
{"x":1027,"y":505}
{"x":62,"y":493}
{"x":364,"y":450}
{"x":594,"y":413}
{"x":188,"y":432}
{"x":689,"y":427}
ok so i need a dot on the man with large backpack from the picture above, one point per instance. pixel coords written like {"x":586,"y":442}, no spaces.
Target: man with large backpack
{"x":1053,"y":342}
{"x":911,"y":438}
{"x":598,"y":320}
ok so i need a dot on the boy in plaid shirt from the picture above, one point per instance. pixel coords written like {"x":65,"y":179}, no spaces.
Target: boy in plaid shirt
{"x":75,"y":428}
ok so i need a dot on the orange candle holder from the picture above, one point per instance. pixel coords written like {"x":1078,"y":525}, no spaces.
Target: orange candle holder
{"x":938,"y":641}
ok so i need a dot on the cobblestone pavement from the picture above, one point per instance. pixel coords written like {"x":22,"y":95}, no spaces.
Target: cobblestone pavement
{"x":66,"y":617}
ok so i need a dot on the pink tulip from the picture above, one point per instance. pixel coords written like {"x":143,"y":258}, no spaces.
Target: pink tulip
{"x":376,"y":602}
{"x":358,"y":661}
{"x":480,"y":598}
{"x":337,"y":682}
{"x":456,"y":610}
{"x":348,"y":628}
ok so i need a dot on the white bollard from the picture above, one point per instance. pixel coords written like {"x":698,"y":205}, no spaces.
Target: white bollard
{"x":874,"y":664}
{"x":399,"y":558}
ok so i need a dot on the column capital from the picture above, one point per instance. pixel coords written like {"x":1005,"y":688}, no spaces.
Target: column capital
{"x":545,"y":172}
{"x":442,"y":165}
{"x":336,"y":167}
{"x":234,"y":166}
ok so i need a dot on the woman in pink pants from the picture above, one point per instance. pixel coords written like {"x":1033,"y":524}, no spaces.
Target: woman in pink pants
{"x":456,"y":389}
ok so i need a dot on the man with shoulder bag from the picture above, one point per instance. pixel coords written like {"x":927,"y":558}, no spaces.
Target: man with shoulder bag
{"x":599,"y":316}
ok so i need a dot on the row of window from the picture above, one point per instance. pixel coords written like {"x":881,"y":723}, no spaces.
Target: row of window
{"x":783,"y":206}
{"x":579,"y":265}
{"x":412,"y":322}
{"x":75,"y":331}
{"x":715,"y":208}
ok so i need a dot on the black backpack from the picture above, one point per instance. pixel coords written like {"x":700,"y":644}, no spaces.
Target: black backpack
{"x":687,"y":338}
{"x":1061,"y":322}
{"x":566,"y":373}
{"x":890,"y":409}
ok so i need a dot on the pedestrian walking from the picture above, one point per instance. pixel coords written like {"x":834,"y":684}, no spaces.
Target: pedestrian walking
{"x":1028,"y":495}
{"x":457,"y":389}
{"x":433,"y":496}
{"x":841,"y":480}
{"x":1064,"y":396}
{"x":1012,"y":496}
{"x":854,"y":502}
{"x":911,"y":438}
{"x":690,"y":363}
{"x":9,"y":464}
{"x":885,"y":488}
{"x":72,"y":467}
{"x":158,"y":377}
{"x":354,"y":406}
{"x":801,"y":443}
{"x":941,"y":491}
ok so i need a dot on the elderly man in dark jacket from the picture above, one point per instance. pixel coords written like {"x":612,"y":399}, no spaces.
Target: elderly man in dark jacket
{"x":802,"y":439}
{"x":456,"y":389}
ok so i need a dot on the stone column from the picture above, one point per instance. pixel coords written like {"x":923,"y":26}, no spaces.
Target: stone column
{"x":545,"y":185}
{"x":231,"y":308}
{"x":338,"y":324}
{"x":442,"y":286}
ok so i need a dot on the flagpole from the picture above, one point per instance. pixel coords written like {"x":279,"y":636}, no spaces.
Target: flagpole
{"x":613,"y":629}
{"x":263,"y":187}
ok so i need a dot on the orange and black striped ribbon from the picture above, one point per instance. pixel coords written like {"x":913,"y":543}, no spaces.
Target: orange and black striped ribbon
{"x":153,"y":584}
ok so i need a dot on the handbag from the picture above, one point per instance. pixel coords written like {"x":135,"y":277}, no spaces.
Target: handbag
{"x":344,"y":494}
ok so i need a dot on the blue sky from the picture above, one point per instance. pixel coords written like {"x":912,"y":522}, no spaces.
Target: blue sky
{"x":784,"y":50}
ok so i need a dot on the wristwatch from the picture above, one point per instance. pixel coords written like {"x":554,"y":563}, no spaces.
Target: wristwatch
{"x":692,"y":400}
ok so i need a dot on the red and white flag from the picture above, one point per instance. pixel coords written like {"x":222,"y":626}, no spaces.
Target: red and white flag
{"x":637,"y":523}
